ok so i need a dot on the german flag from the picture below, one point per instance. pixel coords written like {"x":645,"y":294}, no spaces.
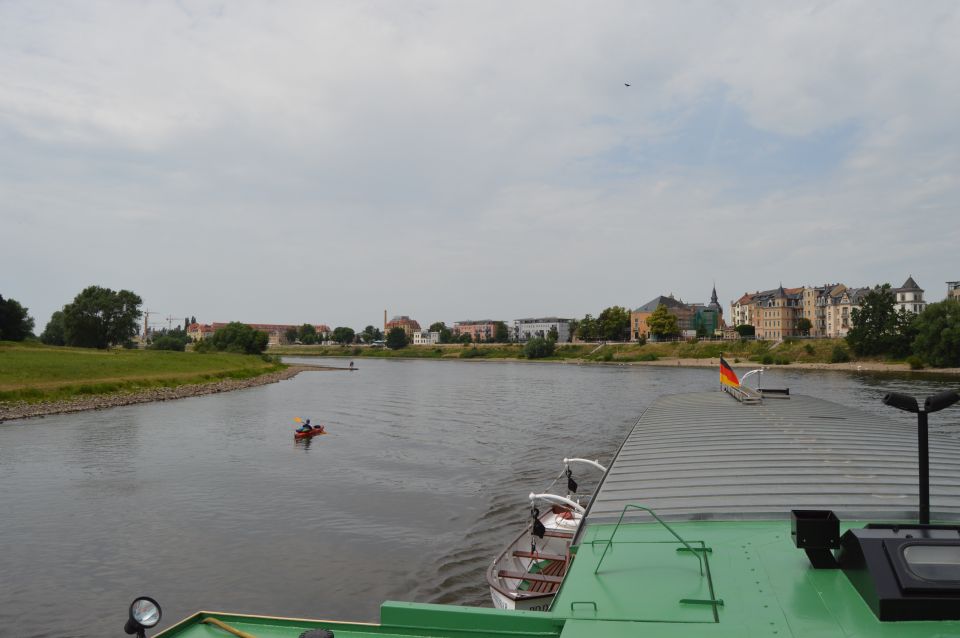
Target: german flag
{"x":727,"y":375}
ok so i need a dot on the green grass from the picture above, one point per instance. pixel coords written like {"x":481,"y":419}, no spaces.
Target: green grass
{"x":33,"y":372}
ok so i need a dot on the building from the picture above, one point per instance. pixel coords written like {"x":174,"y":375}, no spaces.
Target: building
{"x":276,"y":332}
{"x":776,"y":312}
{"x":741,"y":310}
{"x":708,"y":319}
{"x":408,"y":325}
{"x":909,"y":297}
{"x":838,"y":313}
{"x":953,"y":290}
{"x":198,"y":331}
{"x":524,"y":329}
{"x":683,"y":312}
{"x":425,"y":338}
{"x":814,"y":305}
{"x":482,"y":330}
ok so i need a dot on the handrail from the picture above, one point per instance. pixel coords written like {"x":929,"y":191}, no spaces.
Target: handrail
{"x":559,"y":500}
{"x":586,"y":462}
{"x":659,"y":520}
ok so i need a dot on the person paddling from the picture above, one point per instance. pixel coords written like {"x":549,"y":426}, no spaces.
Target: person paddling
{"x":306,"y":427}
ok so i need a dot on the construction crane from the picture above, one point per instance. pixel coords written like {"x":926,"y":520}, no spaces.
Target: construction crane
{"x":146,"y":322}
{"x":171,"y":319}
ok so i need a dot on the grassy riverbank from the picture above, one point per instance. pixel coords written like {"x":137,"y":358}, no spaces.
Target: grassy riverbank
{"x":805,"y":351}
{"x":34,"y":372}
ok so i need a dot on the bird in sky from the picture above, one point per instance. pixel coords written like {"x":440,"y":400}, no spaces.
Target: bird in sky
{"x":626,"y":84}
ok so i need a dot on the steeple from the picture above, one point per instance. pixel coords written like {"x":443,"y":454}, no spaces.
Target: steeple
{"x":714,"y":302}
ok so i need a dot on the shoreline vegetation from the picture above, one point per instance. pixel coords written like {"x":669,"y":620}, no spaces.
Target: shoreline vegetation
{"x":806,"y":354}
{"x":38,"y":380}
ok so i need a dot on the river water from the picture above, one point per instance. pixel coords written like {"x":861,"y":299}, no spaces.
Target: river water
{"x":208,"y":503}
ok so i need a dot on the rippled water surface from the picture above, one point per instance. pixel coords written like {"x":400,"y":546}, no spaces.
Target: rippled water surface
{"x":207,"y":503}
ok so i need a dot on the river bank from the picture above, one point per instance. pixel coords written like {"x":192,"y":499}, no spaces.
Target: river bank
{"x":24,"y":410}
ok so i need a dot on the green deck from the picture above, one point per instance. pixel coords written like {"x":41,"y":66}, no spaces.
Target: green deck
{"x":766,"y":586}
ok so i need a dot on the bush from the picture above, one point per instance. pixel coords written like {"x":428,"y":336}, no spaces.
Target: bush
{"x":471,"y":353}
{"x":781,"y":360}
{"x":808,"y":349}
{"x":538,"y":348}
{"x":839,"y":355}
{"x":607,"y":355}
{"x":766,"y":359}
{"x":648,"y":356}
{"x":916,"y":363}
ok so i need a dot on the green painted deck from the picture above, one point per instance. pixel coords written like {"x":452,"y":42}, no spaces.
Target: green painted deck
{"x":645,"y":587}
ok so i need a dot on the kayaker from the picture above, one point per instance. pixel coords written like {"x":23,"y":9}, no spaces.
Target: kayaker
{"x":306,"y":427}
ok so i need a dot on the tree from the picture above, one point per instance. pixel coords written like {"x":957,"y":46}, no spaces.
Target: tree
{"x":290,"y":334}
{"x":176,"y":339}
{"x":236,"y":337}
{"x":803,"y":326}
{"x":466,"y":337}
{"x":588,"y":329}
{"x":553,"y":334}
{"x":446,"y":335}
{"x":396,"y":338}
{"x":54,"y":333}
{"x":501,"y":334}
{"x":662,"y":324}
{"x":938,"y":334}
{"x":343,"y":335}
{"x":878,"y":328}
{"x":371,"y":334}
{"x":614,"y":324}
{"x":745,"y":330}
{"x":99,"y":317}
{"x":307,"y":334}
{"x":15,"y":323}
{"x":538,"y":347}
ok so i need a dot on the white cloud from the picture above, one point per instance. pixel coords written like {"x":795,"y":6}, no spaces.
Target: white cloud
{"x":482,"y":159}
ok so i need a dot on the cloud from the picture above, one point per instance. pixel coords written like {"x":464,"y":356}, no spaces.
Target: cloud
{"x":319,"y":160}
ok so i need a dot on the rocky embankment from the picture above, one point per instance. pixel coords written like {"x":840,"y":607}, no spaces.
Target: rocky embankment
{"x":25,"y":410}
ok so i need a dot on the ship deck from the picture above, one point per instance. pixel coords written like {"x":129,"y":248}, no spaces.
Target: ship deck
{"x":718,"y":558}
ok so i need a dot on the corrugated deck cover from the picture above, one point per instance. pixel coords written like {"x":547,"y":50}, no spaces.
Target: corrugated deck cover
{"x":705,"y":456}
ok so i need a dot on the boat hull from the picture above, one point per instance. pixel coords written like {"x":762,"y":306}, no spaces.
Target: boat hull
{"x":308,"y":435}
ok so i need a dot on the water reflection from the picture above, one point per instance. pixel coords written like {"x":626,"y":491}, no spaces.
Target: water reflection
{"x":210,"y":503}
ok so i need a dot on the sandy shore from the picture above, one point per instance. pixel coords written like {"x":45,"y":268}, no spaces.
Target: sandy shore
{"x":29,"y":410}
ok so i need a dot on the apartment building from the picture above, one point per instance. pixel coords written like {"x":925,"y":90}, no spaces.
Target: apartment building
{"x":479,"y":331}
{"x":524,"y":329}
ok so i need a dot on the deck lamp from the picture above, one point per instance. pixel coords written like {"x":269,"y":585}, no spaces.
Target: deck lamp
{"x":933,"y":403}
{"x":144,"y":614}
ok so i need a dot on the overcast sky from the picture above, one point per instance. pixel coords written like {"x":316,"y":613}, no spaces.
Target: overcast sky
{"x":292,"y":162}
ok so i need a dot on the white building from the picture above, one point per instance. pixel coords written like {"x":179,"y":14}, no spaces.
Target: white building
{"x":909,"y":297}
{"x":524,"y":329}
{"x":425,"y":338}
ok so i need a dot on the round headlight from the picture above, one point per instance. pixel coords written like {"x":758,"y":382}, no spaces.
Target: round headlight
{"x":145,"y":612}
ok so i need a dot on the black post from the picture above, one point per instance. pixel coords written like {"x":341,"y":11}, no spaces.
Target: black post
{"x":923,"y":452}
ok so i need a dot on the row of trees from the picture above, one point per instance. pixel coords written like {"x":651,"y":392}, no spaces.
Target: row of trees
{"x":612,"y":324}
{"x":933,"y":336}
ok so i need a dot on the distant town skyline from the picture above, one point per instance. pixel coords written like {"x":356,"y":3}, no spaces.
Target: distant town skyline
{"x":318,"y":162}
